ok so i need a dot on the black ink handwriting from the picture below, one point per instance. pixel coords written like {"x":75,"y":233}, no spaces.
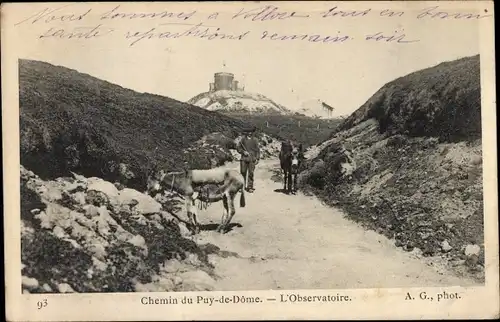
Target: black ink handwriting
{"x":47,"y":15}
{"x":434,"y":13}
{"x":334,"y":12}
{"x":77,"y":32}
{"x":391,"y":13}
{"x":305,"y":37}
{"x":396,"y":36}
{"x":267,"y":13}
{"x":196,"y":30}
{"x":116,"y":14}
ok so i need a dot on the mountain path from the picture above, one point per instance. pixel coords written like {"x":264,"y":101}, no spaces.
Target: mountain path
{"x":296,"y":242}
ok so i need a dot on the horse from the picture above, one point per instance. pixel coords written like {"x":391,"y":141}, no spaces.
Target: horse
{"x":228,"y":183}
{"x":291,"y":156}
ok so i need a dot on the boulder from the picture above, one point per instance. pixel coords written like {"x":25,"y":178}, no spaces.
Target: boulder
{"x":140,"y":202}
{"x":65,"y":288}
{"x":79,"y":198}
{"x":138,"y":241}
{"x":51,"y":192}
{"x":445,"y":246}
{"x":98,"y":250}
{"x":46,"y":288}
{"x":29,"y":283}
{"x":185,"y":232}
{"x":59,"y":232}
{"x":471,"y":250}
{"x":97,"y":198}
{"x":197,"y":281}
{"x":103,"y":186}
{"x":166,"y":284}
{"x":98,"y":264}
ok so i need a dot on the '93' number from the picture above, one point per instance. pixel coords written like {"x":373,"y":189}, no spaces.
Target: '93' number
{"x":41,"y":304}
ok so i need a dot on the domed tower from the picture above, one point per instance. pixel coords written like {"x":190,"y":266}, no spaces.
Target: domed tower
{"x":223,"y":81}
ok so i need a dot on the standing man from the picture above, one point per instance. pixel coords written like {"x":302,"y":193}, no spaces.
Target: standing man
{"x":250,"y":156}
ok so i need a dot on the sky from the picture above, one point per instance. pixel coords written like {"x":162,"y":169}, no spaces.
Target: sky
{"x":290,"y":72}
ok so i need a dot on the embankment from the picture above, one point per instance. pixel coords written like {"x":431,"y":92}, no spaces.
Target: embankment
{"x":408,"y":164}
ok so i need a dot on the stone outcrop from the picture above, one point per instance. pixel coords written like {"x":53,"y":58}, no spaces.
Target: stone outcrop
{"x":86,"y":235}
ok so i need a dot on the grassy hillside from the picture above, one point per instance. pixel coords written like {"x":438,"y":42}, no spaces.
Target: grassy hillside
{"x":73,"y":121}
{"x":443,"y":101}
{"x":286,"y":126}
{"x":408,"y":164}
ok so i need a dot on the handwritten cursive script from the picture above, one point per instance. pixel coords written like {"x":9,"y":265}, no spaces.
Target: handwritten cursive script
{"x":115,"y":14}
{"x":65,"y":22}
{"x":396,"y":36}
{"x":49,"y":15}
{"x":268,"y":13}
{"x":77,"y":32}
{"x":336,"y":12}
{"x":199,"y":30}
{"x":435,"y":13}
{"x":305,"y":37}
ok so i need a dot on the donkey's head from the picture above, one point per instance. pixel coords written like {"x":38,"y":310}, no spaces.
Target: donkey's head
{"x":295,"y":159}
{"x":154,"y":181}
{"x":177,"y":181}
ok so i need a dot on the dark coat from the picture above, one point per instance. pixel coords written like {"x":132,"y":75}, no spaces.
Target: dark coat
{"x":250,"y":145}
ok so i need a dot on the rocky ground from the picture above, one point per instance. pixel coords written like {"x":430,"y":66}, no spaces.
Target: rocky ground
{"x":425,"y":195}
{"x":87,"y":235}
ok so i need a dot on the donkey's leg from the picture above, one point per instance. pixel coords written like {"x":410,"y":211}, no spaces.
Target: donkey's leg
{"x":232,"y":212}
{"x":195,"y":221}
{"x":225,"y":213}
{"x":189,"y":206}
{"x":289,"y":181}
{"x":243,"y":171}
{"x":294,"y":185}
{"x":285,"y":176}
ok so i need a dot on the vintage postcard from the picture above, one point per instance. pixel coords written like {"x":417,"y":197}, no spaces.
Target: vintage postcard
{"x":249,"y":160}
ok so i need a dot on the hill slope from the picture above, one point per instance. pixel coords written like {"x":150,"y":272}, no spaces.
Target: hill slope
{"x":73,"y":121}
{"x":307,"y":130}
{"x":238,"y":101}
{"x":442,"y":101}
{"x":408,"y":164}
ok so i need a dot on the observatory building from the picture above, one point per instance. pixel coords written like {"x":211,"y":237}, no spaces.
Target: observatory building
{"x":327,"y":108}
{"x":224,"y":81}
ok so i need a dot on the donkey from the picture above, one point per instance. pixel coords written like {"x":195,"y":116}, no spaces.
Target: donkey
{"x":291,"y":156}
{"x":228,"y":182}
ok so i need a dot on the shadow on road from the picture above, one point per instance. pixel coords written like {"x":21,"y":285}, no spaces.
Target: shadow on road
{"x":211,"y":227}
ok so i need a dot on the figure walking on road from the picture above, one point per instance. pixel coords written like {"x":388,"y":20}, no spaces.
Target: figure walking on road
{"x":250,"y":156}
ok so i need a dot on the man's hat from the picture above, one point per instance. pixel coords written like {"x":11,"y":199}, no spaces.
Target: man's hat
{"x":249,"y":130}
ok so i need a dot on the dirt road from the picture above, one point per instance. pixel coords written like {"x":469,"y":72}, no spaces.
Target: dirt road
{"x":294,"y":241}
